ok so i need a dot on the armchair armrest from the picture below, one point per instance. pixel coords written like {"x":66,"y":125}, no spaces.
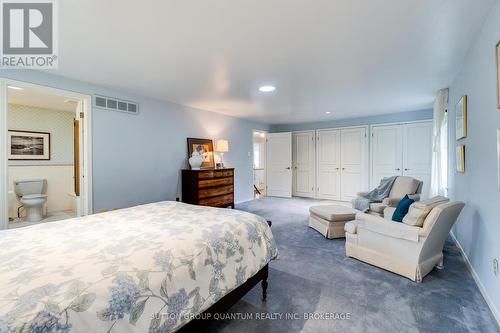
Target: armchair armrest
{"x":415,"y":197}
{"x":391,"y":202}
{"x":361,"y":194}
{"x":388,"y":228}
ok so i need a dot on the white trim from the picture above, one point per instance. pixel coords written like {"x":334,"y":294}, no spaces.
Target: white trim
{"x":244,"y":200}
{"x":476,"y":278}
{"x":344,"y":127}
{"x":86,"y":200}
{"x":252,"y":159}
{"x":4,"y":210}
{"x":403,"y":122}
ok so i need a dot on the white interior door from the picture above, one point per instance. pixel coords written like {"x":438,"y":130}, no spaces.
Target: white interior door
{"x":417,"y":153}
{"x":303,"y":164}
{"x":279,"y":164}
{"x":354,"y":162}
{"x":386,"y":152}
{"x":328,"y":164}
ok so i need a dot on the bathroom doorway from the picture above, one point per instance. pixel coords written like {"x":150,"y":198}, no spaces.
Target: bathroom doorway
{"x":46,"y":164}
{"x":259,"y":163}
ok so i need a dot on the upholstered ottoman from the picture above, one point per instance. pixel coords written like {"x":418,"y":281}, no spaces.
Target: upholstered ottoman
{"x":329,"y":220}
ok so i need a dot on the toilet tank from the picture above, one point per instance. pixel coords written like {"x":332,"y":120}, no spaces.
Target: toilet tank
{"x":26,"y":187}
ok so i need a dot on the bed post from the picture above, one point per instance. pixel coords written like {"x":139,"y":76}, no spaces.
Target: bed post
{"x":264,"y":284}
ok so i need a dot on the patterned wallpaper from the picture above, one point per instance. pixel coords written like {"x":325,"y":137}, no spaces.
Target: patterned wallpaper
{"x":58,"y":123}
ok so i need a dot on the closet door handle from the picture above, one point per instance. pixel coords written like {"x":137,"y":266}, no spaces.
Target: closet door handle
{"x":398,"y":169}
{"x":406,"y":169}
{"x":288,"y":168}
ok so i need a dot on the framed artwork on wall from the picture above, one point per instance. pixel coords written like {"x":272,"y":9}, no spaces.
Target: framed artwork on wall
{"x":498,"y":157}
{"x":460,"y":158}
{"x":205,"y":148}
{"x":28,"y":146}
{"x":461,"y":118}
{"x":498,"y":73}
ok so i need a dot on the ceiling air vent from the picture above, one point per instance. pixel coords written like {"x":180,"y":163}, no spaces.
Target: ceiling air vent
{"x":115,"y":104}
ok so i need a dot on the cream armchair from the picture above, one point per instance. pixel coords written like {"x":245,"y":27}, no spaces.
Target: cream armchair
{"x":402,"y":186}
{"x":410,"y":251}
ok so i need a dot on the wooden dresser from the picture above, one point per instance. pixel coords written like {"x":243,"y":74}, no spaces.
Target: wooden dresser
{"x":208,"y":187}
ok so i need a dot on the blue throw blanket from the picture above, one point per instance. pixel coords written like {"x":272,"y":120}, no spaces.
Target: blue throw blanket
{"x":376,"y":195}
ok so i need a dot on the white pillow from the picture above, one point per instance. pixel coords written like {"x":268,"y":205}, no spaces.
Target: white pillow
{"x":419,"y":210}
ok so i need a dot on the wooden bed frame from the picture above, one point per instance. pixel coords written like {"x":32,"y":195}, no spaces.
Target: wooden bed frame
{"x":229,"y":300}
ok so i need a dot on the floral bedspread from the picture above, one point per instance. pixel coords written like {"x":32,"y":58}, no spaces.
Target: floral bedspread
{"x":147,"y":268}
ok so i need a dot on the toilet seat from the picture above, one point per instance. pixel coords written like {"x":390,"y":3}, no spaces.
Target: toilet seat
{"x":33,"y":196}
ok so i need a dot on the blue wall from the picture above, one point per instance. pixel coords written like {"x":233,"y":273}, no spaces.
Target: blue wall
{"x":137,"y":158}
{"x":478,"y":229}
{"x":386,"y":118}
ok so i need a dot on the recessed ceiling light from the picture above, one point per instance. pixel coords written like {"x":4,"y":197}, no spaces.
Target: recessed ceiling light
{"x":15,"y":88}
{"x":327,"y":112}
{"x":267,"y":88}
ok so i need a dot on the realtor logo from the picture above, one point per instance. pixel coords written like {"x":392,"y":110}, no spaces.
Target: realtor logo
{"x":28,"y":34}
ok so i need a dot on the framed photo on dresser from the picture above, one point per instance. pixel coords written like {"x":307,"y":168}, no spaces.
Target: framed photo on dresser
{"x":205,"y":148}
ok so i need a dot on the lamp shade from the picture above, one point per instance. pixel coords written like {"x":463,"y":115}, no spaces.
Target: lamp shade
{"x":221,"y":146}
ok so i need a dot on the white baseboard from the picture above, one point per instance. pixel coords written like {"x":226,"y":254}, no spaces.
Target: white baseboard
{"x":487,"y":298}
{"x":243,"y":200}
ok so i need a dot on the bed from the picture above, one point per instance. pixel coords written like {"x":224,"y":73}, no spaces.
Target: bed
{"x":154,"y":267}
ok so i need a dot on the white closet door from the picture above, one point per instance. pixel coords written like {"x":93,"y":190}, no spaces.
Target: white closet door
{"x":328,"y":164}
{"x":417,"y":153}
{"x":354,"y":162}
{"x":303,"y":163}
{"x":279,"y":164}
{"x":386,"y":152}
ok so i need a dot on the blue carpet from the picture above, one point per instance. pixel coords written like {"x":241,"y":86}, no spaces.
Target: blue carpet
{"x":313,"y":275}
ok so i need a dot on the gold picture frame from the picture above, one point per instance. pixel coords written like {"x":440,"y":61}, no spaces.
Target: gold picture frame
{"x":498,"y":157}
{"x":497,"y":48}
{"x":461,"y":118}
{"x":460,"y":158}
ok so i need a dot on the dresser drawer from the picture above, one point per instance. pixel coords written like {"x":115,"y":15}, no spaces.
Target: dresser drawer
{"x":215,"y":174}
{"x":214,"y":191}
{"x":217,"y":201}
{"x":215,"y":182}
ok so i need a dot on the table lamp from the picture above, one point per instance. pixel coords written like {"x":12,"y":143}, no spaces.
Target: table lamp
{"x":221,"y":146}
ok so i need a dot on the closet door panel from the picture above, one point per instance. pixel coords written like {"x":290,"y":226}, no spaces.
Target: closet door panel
{"x":386,"y":152}
{"x":303,"y":164}
{"x":354,"y":158}
{"x":417,"y":153}
{"x":328,"y":164}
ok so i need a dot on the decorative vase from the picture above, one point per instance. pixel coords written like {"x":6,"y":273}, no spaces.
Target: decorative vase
{"x":195,"y":161}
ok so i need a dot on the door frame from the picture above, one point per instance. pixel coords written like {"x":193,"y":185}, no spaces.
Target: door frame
{"x":371,"y":140}
{"x":85,"y":162}
{"x":265,"y":156}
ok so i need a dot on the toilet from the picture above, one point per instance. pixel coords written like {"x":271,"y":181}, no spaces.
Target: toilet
{"x":30,"y":195}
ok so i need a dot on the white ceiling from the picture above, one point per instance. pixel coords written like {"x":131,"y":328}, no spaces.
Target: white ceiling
{"x":350,"y":57}
{"x":40,"y":99}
